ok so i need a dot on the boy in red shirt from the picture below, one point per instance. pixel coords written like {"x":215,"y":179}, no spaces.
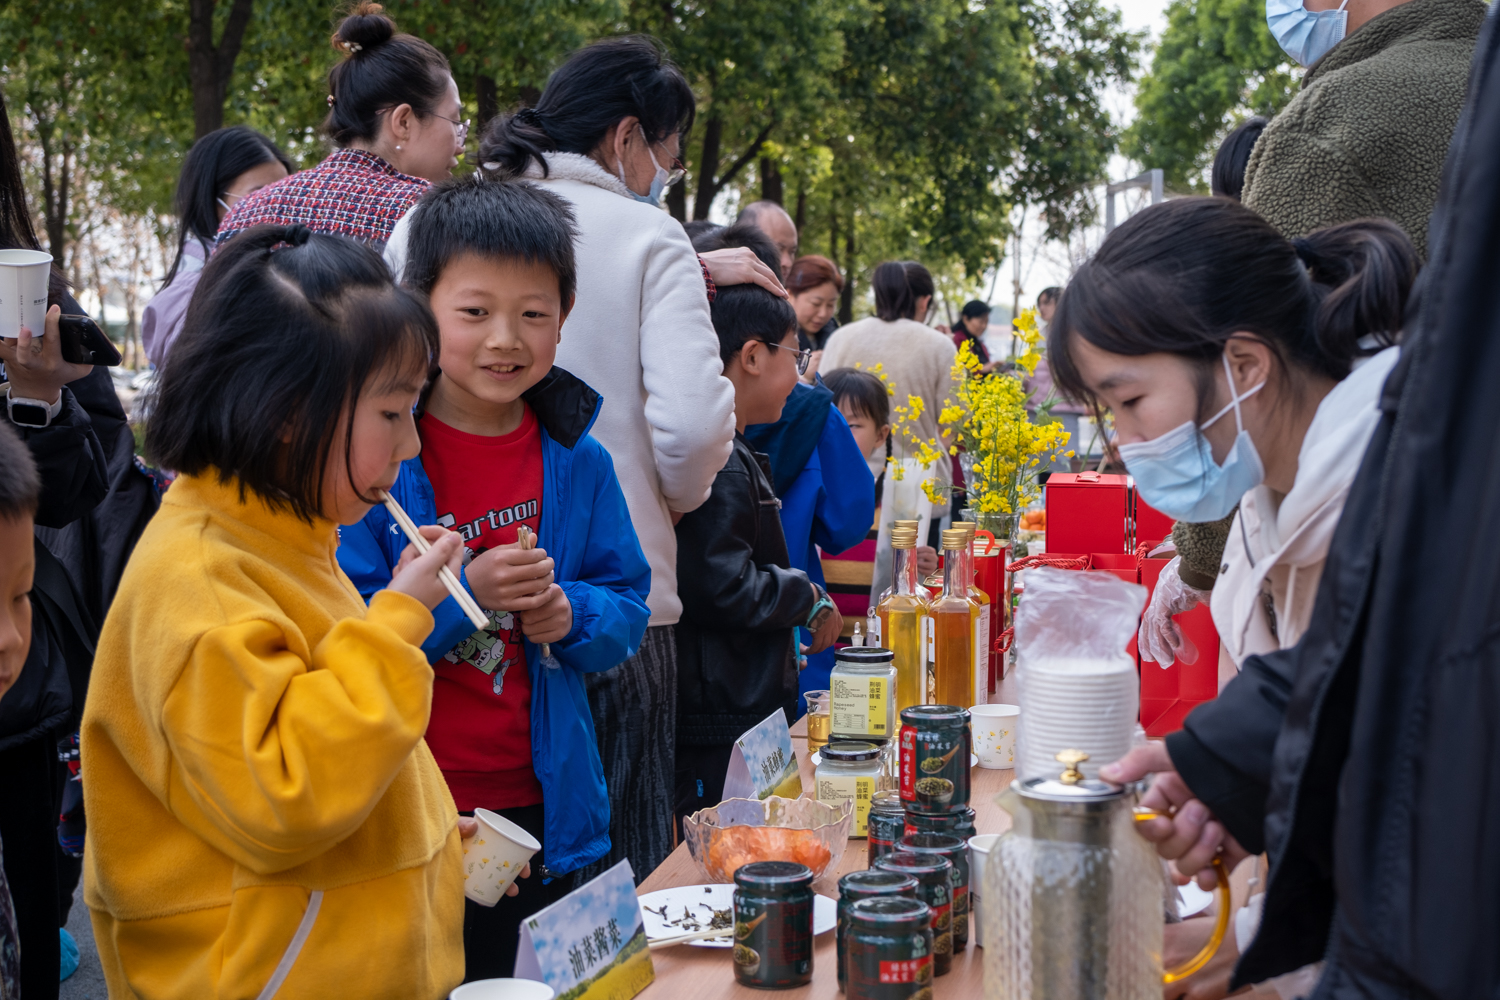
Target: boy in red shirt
{"x":505,"y":443}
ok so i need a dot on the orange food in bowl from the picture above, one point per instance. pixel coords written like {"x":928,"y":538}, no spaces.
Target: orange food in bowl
{"x":733,"y":846}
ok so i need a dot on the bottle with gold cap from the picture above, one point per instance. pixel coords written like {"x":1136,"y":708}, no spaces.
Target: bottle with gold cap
{"x":921,"y":591}
{"x":901,"y":615}
{"x":953,"y":616}
{"x":982,"y":621}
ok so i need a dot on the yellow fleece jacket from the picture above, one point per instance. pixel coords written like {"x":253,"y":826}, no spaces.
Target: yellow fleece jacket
{"x":264,"y":816}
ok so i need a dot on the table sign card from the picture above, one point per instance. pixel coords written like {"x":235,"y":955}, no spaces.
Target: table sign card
{"x":591,"y":944}
{"x":763,"y":763}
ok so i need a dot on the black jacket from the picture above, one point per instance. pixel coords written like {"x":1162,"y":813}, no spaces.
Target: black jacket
{"x":736,"y":640}
{"x":74,"y":477}
{"x":1367,"y":758}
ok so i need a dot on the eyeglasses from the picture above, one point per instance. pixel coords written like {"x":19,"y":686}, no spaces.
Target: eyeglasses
{"x":804,"y":358}
{"x":462,"y":126}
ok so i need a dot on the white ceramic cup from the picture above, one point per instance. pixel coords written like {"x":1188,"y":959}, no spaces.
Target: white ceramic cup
{"x":493,"y":858}
{"x":994,"y":729}
{"x":23,"y":292}
{"x":503,"y":989}
{"x":979,"y":855}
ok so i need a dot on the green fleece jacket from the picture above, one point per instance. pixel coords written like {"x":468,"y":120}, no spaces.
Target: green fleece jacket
{"x":1368,"y":133}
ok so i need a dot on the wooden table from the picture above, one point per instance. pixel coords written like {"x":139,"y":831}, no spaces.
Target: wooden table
{"x":708,"y":973}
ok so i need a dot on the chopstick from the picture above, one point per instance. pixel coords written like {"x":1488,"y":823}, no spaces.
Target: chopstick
{"x":470,"y":608}
{"x":527,"y":538}
{"x":667,"y":942}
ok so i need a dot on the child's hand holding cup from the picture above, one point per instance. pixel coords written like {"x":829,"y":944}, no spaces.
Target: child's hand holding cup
{"x":496,"y":853}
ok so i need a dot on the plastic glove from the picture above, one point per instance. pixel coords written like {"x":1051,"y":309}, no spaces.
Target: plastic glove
{"x":1161,"y":639}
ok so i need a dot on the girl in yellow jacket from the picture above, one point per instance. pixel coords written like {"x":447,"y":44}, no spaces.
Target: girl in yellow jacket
{"x":264,"y":817}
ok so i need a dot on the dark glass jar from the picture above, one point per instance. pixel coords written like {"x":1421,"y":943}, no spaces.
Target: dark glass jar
{"x":890,"y":949}
{"x":956,"y":850}
{"x":866,"y":885}
{"x":773,"y":925}
{"x":934,"y":875}
{"x":886,"y":824}
{"x":960,"y":824}
{"x":935,"y":758}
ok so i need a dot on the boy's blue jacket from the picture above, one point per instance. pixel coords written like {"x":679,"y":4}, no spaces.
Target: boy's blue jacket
{"x":586,"y":529}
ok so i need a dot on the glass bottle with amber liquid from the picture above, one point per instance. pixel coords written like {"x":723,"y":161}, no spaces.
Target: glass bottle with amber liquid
{"x":953,"y":616}
{"x":983,"y":627}
{"x":901,"y":615}
{"x":920,"y":590}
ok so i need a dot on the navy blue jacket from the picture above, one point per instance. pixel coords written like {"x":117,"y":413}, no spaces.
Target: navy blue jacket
{"x":586,"y":530}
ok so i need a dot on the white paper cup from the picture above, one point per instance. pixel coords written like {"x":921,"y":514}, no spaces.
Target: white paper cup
{"x":493,"y":858}
{"x":979,"y":855}
{"x":503,"y":989}
{"x":23,"y":292}
{"x":994,"y":729}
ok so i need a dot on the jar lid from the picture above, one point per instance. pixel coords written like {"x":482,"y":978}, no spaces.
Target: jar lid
{"x":887,"y":801}
{"x":773,"y":875}
{"x":931,"y":843}
{"x":911,"y":863}
{"x":890,"y":910}
{"x":917,"y":714}
{"x":875,"y":882}
{"x":850,"y":751}
{"x":944,"y":821}
{"x":864,"y":654}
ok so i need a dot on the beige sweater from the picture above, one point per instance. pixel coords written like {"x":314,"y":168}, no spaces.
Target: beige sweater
{"x":918,"y":361}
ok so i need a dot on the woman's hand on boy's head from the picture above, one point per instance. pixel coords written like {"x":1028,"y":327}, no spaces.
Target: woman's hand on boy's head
{"x":740,"y":266}
{"x":510,"y":578}
{"x":35,"y":366}
{"x":417,"y":575}
{"x":552,"y":620}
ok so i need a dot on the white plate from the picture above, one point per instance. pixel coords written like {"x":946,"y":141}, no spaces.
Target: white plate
{"x":696,"y":899}
{"x":817,"y":759}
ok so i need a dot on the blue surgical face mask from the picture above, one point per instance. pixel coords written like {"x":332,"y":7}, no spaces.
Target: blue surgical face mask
{"x":1176,"y":473}
{"x":1306,"y":35}
{"x":658,"y":182}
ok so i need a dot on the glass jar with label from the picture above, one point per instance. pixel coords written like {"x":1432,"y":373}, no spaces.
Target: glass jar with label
{"x":849,"y":770}
{"x":862,"y":690}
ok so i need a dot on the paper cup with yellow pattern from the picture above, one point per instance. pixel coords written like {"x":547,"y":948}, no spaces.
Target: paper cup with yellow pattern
{"x":994,"y":729}
{"x":494,"y":857}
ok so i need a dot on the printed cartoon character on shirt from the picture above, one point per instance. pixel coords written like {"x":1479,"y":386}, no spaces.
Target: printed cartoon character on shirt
{"x":490,"y":649}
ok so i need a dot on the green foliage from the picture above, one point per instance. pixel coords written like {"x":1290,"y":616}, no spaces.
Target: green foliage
{"x":1217,"y":63}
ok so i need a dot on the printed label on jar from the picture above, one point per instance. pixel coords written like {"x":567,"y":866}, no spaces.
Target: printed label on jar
{"x":859,"y":706}
{"x":859,"y":789}
{"x":908,"y":971}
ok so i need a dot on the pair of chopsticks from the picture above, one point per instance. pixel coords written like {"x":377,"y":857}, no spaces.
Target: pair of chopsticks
{"x":527,"y":538}
{"x":467,"y":603}
{"x":667,"y":942}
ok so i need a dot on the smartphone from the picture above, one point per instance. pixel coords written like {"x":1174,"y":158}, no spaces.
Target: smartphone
{"x":83,"y":343}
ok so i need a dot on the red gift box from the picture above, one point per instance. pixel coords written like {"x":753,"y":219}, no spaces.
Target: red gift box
{"x":1088,"y":512}
{"x":1151,"y":525}
{"x":1169,"y":694}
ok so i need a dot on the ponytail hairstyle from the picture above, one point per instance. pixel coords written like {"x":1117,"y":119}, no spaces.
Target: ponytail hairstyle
{"x":1184,"y":276}
{"x":586,"y":96}
{"x":898,"y":285}
{"x":207,"y":171}
{"x":285,"y":332}
{"x":382,"y":69}
{"x":1227,"y":176}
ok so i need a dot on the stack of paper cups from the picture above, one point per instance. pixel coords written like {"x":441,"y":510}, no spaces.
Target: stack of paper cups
{"x":1075,"y":703}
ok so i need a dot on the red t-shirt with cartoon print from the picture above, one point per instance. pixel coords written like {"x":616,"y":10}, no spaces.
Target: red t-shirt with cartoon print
{"x":480,"y":731}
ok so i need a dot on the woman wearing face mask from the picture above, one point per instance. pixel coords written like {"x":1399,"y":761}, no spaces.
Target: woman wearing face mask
{"x":1241,"y":368}
{"x":221,"y":170}
{"x":394,"y":113}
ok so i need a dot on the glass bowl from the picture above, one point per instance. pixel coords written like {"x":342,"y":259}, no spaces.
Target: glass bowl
{"x":738,"y":831}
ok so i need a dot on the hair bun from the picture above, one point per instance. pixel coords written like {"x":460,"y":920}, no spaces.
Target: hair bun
{"x":365,"y":26}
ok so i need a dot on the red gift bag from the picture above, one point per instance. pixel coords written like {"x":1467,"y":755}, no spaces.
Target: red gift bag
{"x":1168,"y":695}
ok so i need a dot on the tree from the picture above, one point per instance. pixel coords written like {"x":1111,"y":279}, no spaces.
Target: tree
{"x":210,"y":65}
{"x":1216,"y":64}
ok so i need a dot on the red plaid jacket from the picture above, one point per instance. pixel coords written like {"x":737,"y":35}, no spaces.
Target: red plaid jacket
{"x":353,"y":193}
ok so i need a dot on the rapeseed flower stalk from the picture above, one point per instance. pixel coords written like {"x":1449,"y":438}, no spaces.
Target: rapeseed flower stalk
{"x":1003,"y":446}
